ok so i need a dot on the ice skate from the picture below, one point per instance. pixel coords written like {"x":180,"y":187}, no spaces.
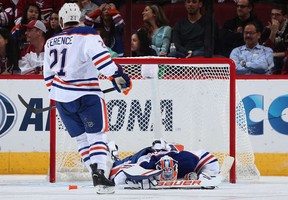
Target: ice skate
{"x":100,"y":182}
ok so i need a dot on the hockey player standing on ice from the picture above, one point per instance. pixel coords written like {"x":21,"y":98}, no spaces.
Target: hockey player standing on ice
{"x":73,"y":60}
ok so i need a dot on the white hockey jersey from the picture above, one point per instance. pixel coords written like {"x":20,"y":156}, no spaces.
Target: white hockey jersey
{"x":72,"y":62}
{"x":206,"y":161}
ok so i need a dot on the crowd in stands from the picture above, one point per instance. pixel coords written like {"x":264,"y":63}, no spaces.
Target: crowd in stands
{"x":108,"y":20}
{"x":255,"y":47}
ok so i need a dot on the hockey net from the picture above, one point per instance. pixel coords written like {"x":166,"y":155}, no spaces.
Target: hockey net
{"x":186,"y":101}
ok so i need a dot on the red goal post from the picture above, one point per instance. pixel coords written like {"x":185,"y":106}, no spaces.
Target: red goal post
{"x":178,"y":100}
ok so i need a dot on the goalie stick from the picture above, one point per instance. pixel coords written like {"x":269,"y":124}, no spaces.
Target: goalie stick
{"x":41,"y":110}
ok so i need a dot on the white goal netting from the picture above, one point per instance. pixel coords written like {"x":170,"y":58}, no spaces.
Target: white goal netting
{"x":186,"y":101}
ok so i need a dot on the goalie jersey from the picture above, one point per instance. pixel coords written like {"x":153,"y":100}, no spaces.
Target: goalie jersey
{"x":73,"y":60}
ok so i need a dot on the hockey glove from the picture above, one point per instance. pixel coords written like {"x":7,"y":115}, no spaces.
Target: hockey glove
{"x":121,"y":81}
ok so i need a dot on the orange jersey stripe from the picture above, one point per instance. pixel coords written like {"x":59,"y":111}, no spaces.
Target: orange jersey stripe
{"x":98,"y":148}
{"x":114,"y":171}
{"x":84,"y":153}
{"x":203,"y":163}
{"x":102,"y":59}
{"x":105,"y":117}
{"x":49,"y":84}
{"x":78,"y":85}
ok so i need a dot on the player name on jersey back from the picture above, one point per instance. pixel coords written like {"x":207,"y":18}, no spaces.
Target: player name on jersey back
{"x":60,"y":40}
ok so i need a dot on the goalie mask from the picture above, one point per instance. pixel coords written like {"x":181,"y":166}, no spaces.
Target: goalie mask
{"x":69,"y":12}
{"x":169,"y":168}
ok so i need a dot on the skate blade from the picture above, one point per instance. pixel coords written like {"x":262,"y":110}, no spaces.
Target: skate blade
{"x":103,"y":189}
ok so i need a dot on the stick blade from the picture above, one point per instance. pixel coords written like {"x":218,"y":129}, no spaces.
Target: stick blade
{"x":32,"y":109}
{"x":25,"y":104}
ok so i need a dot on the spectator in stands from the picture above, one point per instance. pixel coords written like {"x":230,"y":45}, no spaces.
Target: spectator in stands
{"x":54,"y":26}
{"x":111,"y":22}
{"x":46,"y":7}
{"x":86,"y":7}
{"x":188,"y":34}
{"x":252,"y":58}
{"x":141,"y":44}
{"x":8,"y":57}
{"x":232,"y":32}
{"x":31,"y":61}
{"x":32,"y":12}
{"x":7,"y":8}
{"x":104,"y":35}
{"x":277,"y":32}
{"x":156,"y":24}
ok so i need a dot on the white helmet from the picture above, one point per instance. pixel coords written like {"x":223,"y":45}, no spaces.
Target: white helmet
{"x":69,"y":12}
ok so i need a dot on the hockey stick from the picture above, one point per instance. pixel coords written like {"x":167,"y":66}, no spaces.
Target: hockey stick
{"x":41,"y":110}
{"x":32,"y":109}
{"x":108,"y":90}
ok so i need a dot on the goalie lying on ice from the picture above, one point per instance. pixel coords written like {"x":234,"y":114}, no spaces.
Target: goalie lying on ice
{"x":174,"y":162}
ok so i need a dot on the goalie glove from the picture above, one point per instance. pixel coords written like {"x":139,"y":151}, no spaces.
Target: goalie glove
{"x":121,"y":81}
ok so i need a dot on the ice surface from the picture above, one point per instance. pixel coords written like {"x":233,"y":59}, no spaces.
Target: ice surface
{"x":35,"y":187}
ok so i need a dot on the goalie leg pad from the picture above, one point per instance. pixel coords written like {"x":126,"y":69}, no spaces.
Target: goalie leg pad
{"x":140,"y":178}
{"x":144,"y":184}
{"x":138,"y":173}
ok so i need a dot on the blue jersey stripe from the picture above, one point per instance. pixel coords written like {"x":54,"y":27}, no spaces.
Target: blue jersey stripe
{"x":82,"y":80}
{"x":104,"y":65}
{"x":49,"y":78}
{"x":99,"y":54}
{"x":83,"y":148}
{"x":98,"y":153}
{"x":76,"y":89}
